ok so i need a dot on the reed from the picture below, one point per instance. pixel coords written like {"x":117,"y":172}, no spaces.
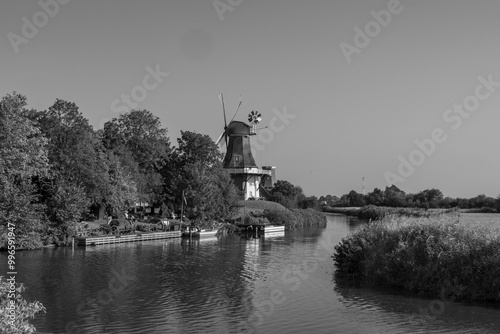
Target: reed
{"x":433,"y":256}
{"x":296,"y":218}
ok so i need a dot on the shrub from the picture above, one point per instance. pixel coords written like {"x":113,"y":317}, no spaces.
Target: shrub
{"x":26,"y":240}
{"x":16,"y":321}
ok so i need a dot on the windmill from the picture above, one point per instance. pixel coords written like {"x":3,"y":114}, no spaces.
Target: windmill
{"x":239,"y":160}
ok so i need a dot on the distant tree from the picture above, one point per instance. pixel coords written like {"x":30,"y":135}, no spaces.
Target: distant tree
{"x":376,"y":197}
{"x":343,"y":201}
{"x":394,"y":197}
{"x":356,"y":199}
{"x":447,"y":202}
{"x":308,"y":202}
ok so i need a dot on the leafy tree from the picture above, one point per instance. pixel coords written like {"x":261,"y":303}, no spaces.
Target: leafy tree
{"x":446,"y":202}
{"x":23,"y":156}
{"x":141,"y":144}
{"x":122,"y":190}
{"x":78,"y":162}
{"x":376,"y":197}
{"x":210,"y":193}
{"x":355,"y":199}
{"x":286,"y":194}
{"x":308,"y":202}
{"x":195,"y":147}
{"x":428,"y":198}
{"x":209,"y":190}
{"x":394,"y":197}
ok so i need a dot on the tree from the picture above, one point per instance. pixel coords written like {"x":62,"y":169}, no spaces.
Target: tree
{"x":286,"y":194}
{"x":209,"y":190}
{"x":376,"y":197}
{"x":394,"y":197}
{"x":23,"y":156}
{"x":77,"y":159}
{"x":308,"y":202}
{"x":355,"y":199}
{"x":143,"y":147}
{"x":195,"y":147}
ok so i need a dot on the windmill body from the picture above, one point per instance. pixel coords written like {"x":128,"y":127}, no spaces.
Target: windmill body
{"x":239,"y":160}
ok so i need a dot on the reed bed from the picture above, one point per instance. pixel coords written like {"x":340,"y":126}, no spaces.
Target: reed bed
{"x":433,"y":256}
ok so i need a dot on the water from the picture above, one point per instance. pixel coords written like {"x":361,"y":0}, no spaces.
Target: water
{"x":280,"y":284}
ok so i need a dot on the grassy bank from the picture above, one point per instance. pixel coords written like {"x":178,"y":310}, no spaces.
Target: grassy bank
{"x":434,"y":256}
{"x":378,"y":212}
{"x":266,"y":212}
{"x":296,"y":218}
{"x":351,"y":211}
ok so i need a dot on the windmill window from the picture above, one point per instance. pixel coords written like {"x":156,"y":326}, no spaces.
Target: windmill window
{"x":237,"y":158}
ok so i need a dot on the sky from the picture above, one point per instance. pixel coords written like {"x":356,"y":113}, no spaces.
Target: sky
{"x":398,"y":92}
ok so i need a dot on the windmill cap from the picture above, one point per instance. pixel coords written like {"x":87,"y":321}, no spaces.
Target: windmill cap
{"x":237,"y":128}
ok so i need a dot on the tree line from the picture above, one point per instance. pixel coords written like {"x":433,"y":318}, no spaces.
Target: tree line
{"x":427,"y":199}
{"x":55,"y":169}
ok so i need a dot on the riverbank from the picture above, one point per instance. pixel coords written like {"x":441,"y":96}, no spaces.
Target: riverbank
{"x":378,"y":212}
{"x":266,"y":212}
{"x":432,"y":256}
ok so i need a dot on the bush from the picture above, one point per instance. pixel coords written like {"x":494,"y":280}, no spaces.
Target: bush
{"x":58,"y":235}
{"x":16,"y":321}
{"x":430,"y":256}
{"x":27,"y":240}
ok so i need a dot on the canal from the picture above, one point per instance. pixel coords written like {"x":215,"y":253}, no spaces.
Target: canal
{"x":278,"y":284}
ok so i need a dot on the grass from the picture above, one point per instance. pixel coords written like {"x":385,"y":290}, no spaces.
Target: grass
{"x":266,"y":212}
{"x":350,"y":211}
{"x":433,"y":256}
{"x":260,"y":206}
{"x":378,"y":212}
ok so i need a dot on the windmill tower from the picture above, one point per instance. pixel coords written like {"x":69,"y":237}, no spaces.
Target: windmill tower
{"x":239,"y":160}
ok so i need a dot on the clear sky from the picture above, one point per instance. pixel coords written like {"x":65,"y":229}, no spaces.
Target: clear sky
{"x":350,"y":119}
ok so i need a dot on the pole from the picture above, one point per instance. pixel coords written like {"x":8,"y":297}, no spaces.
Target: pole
{"x":182,"y":206}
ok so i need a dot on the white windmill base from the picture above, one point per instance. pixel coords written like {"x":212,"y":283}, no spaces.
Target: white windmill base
{"x":248,"y":180}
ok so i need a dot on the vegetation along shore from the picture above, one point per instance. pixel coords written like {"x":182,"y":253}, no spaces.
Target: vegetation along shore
{"x":432,"y":256}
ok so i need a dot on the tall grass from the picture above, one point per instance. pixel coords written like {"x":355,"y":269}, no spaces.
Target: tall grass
{"x":378,"y":212}
{"x":433,"y":256}
{"x":296,"y":218}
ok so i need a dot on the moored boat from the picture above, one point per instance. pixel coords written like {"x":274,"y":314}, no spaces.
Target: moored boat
{"x":195,"y":232}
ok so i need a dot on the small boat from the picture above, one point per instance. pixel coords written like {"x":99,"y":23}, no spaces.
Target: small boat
{"x":195,"y":232}
{"x":274,"y":228}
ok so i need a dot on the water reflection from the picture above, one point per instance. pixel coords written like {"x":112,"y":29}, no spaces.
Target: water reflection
{"x":409,"y":313}
{"x":225,"y":285}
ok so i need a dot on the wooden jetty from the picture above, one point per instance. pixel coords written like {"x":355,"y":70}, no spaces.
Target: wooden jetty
{"x":115,"y":239}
